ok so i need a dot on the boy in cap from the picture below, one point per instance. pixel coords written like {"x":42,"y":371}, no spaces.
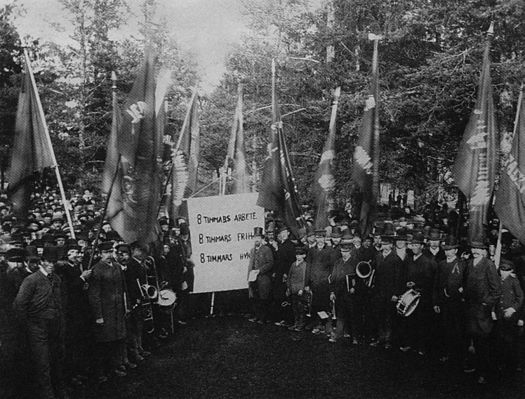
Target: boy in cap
{"x":298,"y":287}
{"x":508,"y":311}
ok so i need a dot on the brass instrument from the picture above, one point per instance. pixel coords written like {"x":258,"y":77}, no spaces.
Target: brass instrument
{"x":149,"y":291}
{"x":365,"y":272}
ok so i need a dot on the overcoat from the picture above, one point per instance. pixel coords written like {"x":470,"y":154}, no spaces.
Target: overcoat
{"x":106,"y":299}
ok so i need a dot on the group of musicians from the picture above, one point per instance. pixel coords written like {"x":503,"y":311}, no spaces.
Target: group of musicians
{"x":399,"y":288}
{"x":76,"y":314}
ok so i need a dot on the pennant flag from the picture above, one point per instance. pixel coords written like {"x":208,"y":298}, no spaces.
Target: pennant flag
{"x":236,"y":158}
{"x":324,"y":182}
{"x":32,"y":150}
{"x":510,"y":197}
{"x":365,"y":172}
{"x":475,"y":165}
{"x":278,"y":192}
{"x":134,"y":198}
{"x":112,"y":154}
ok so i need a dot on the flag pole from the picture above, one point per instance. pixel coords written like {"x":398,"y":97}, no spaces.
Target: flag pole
{"x":50,"y":144}
{"x":497,"y":255}
{"x":110,"y":191}
{"x":177,"y":146}
{"x":377,"y":134}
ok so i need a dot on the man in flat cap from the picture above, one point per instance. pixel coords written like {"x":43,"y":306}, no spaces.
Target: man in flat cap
{"x":106,"y":298}
{"x":39,"y":306}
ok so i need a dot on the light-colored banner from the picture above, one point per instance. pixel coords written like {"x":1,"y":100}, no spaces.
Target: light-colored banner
{"x":221,"y":230}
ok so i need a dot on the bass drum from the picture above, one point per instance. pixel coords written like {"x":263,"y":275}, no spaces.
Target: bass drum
{"x":166,"y":298}
{"x":408,"y":302}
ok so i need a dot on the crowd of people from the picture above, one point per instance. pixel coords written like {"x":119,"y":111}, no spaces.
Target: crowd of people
{"x":408,"y":286}
{"x":78,"y":311}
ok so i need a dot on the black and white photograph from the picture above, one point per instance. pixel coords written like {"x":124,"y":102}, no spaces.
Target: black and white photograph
{"x":267,"y":199}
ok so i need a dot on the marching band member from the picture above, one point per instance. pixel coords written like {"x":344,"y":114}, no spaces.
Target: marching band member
{"x":420,"y":275}
{"x":386,"y":290}
{"x":342,"y":291}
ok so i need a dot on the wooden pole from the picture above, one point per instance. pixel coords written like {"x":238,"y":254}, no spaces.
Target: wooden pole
{"x":65,"y":203}
{"x":377,"y":134}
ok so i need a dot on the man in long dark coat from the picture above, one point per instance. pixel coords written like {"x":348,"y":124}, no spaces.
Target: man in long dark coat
{"x":420,"y":274}
{"x":260,"y":288}
{"x":284,"y":258}
{"x":386,"y":292}
{"x":448,"y":302}
{"x":76,"y":309}
{"x":320,"y":260}
{"x":106,"y":298}
{"x":482,"y":291}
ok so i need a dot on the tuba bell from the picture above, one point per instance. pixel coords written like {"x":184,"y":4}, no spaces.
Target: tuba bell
{"x":150,"y":291}
{"x":365,"y":271}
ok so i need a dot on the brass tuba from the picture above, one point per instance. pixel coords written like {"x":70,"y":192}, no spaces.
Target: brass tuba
{"x":366,"y":272}
{"x":149,"y":291}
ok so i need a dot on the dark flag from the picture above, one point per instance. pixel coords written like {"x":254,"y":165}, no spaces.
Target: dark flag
{"x":324,"y":182}
{"x":510,"y":197}
{"x":31,"y":151}
{"x":134,"y":198}
{"x":190,"y":142}
{"x":475,"y":166}
{"x":365,"y":171}
{"x":235,"y":162}
{"x":278,"y":192}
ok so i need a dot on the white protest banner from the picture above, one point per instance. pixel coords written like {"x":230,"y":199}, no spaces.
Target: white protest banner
{"x":221,"y":230}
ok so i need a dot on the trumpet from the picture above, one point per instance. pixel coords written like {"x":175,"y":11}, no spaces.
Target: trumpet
{"x":366,"y":272}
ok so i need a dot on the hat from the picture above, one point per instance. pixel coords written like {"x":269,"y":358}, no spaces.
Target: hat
{"x":31,"y":250}
{"x":506,"y":265}
{"x":388,"y":230}
{"x":123,"y":248}
{"x":257,"y":232}
{"x":434,"y":235}
{"x":105,"y":246}
{"x":15,"y":255}
{"x":347,"y":236}
{"x":320,"y":233}
{"x":300,"y":250}
{"x":336,"y":232}
{"x":450,"y":243}
{"x":401,"y":234}
{"x":345,"y":247}
{"x":478,"y":245}
{"x":418,"y":238}
{"x":50,"y":254}
{"x":184,"y":229}
{"x":112,"y":236}
{"x":283,"y":228}
{"x":73,"y":246}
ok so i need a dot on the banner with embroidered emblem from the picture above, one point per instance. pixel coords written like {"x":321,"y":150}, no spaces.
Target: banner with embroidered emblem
{"x":475,"y":165}
{"x":135,"y":195}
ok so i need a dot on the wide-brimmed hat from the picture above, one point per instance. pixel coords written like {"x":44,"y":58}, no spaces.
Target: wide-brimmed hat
{"x":451,"y":242}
